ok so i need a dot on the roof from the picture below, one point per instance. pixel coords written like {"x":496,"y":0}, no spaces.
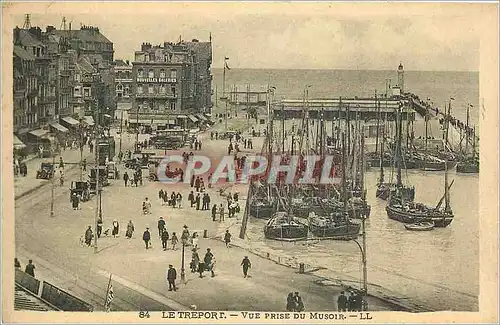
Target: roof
{"x":26,"y":39}
{"x":23,"y":54}
{"x":83,"y":65}
{"x":25,"y":300}
{"x":86,"y":34}
{"x":202,"y":49}
{"x":121,"y":63}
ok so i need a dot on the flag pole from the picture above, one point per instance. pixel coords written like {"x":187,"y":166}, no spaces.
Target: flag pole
{"x":107,"y":291}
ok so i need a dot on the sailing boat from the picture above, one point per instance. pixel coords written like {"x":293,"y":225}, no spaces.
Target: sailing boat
{"x":384,"y":189}
{"x":469,"y":164}
{"x":408,"y":211}
{"x":336,"y":224}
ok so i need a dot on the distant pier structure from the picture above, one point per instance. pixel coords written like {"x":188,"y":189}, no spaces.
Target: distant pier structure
{"x":339,"y":108}
{"x":251,"y":95}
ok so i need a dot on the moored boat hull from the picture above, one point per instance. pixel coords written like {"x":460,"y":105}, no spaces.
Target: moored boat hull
{"x":341,"y":232}
{"x":440,"y":220}
{"x":467,"y":168}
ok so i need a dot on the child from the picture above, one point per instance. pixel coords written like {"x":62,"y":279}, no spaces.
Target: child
{"x":175,"y":240}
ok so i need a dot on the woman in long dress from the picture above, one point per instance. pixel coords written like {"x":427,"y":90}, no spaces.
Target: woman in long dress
{"x":116,"y":227}
{"x":130,"y":230}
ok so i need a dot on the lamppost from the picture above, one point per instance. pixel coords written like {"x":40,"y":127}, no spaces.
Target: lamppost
{"x":183,"y":271}
{"x":98,"y":213}
{"x":52,"y":215}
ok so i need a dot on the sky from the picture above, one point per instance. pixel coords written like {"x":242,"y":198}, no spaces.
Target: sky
{"x":290,"y":36}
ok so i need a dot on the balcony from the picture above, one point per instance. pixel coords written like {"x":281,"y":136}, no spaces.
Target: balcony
{"x":156,"y":95}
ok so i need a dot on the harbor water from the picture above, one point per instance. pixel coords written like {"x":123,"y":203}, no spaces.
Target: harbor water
{"x":439,"y":267}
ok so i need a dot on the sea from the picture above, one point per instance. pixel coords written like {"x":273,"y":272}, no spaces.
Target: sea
{"x":439,"y":268}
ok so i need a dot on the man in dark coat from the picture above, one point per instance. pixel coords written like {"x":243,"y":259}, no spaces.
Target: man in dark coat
{"x":146,"y":237}
{"x":351,"y":306}
{"x":30,"y":268}
{"x":160,"y":196}
{"x":197,"y":184}
{"x":208,"y":261}
{"x":88,"y":236}
{"x":246,"y":265}
{"x":227,"y":237}
{"x":171,"y":276}
{"x":208,"y":202}
{"x":214,"y":212}
{"x":192,"y":181}
{"x":161,"y":226}
{"x":191,"y":198}
{"x":342,"y":302}
{"x":125,"y":178}
{"x":198,"y":201}
{"x":99,"y":227}
{"x":164,"y":238}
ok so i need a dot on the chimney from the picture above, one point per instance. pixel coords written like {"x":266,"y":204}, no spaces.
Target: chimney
{"x":128,"y":62}
{"x":145,"y":47}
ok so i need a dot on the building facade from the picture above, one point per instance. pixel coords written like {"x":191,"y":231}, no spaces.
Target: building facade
{"x":171,"y":81}
{"x":123,"y":88}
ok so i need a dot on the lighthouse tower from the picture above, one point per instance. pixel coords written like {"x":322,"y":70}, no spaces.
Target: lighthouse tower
{"x":401,"y":78}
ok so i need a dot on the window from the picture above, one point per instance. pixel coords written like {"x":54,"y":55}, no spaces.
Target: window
{"x":140,"y":73}
{"x":173,"y":91}
{"x":77,"y":92}
{"x":163,"y":89}
{"x":119,"y":87}
{"x":162,"y":73}
{"x":86,"y":92}
{"x":127,"y":90}
{"x":173,"y":73}
{"x":172,"y":106}
{"x":150,"y":89}
{"x":139,"y":89}
{"x":77,"y":77}
{"x":151,"y":73}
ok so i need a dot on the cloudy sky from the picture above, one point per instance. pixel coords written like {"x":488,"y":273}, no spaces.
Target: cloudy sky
{"x":290,"y":36}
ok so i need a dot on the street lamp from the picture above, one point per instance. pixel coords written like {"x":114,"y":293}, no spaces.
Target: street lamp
{"x":183,"y":271}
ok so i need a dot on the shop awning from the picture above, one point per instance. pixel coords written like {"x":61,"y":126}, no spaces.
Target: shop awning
{"x":59,"y":127}
{"x":201,"y":117}
{"x":134,"y":121}
{"x":18,"y":144}
{"x":39,"y":133}
{"x":192,"y":118}
{"x":182,"y":116}
{"x":70,"y":120}
{"x":107,"y":115}
{"x":89,"y":120}
{"x":123,"y":106}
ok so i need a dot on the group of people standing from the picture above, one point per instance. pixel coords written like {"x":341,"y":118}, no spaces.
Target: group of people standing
{"x":294,"y":303}
{"x":174,"y":199}
{"x":355,"y":302}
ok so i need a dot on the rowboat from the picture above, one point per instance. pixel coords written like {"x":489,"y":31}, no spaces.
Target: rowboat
{"x":420,"y":226}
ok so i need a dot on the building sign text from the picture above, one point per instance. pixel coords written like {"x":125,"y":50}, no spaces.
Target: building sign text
{"x":165,"y":80}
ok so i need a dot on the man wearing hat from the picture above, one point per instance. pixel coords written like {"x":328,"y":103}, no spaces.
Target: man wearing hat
{"x":171,"y":276}
{"x":146,"y":237}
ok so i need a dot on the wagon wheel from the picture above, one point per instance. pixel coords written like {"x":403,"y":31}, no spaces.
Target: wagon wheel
{"x":152,"y":177}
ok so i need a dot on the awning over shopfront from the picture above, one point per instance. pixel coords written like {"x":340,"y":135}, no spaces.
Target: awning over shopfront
{"x":59,"y":127}
{"x":39,"y":133}
{"x":18,"y":144}
{"x":123,"y":106}
{"x":89,"y":120}
{"x":192,"y":118}
{"x":71,"y":121}
{"x":182,"y":116}
{"x":107,"y":115}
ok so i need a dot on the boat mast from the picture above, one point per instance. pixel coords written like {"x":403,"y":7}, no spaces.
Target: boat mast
{"x":381,"y":179}
{"x":426,"y":136}
{"x":344,"y":185}
{"x":377,"y":103}
{"x":399,"y":122}
{"x":467,"y":132}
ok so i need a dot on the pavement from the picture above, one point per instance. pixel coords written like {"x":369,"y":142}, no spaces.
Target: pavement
{"x":138,"y":275}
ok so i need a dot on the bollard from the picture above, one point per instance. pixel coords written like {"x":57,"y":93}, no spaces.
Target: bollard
{"x":301,"y":268}
{"x":205,"y":233}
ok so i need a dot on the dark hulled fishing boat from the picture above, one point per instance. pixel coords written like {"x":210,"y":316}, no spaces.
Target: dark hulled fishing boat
{"x":407,"y":211}
{"x":285,"y":226}
{"x":469,"y":164}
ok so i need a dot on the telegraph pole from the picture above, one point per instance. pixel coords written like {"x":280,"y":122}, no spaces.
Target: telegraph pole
{"x":52,"y":215}
{"x":97,"y":185}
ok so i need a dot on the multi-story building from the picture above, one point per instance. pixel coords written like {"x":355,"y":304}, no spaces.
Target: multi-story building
{"x":123,"y":88}
{"x":25,"y":115}
{"x":171,"y":82}
{"x":89,"y":41}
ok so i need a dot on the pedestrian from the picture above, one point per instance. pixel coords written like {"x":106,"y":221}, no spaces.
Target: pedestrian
{"x":147,"y":203}
{"x":160,"y":196}
{"x":201,"y":268}
{"x":125,"y":178}
{"x":30,"y":268}
{"x":221,"y":213}
{"x":179,"y":199}
{"x":195,"y":260}
{"x":130,"y":229}
{"x":116,"y":227}
{"x":197,"y":184}
{"x":17,"y":264}
{"x":175,"y":240}
{"x":194,"y":240}
{"x":99,"y":227}
{"x":214,"y":212}
{"x":164,"y":238}
{"x":198,"y":201}
{"x":88,"y":236}
{"x":61,"y":178}
{"x":185,"y":235}
{"x":161,"y":226}
{"x":351,"y":302}
{"x":146,"y":237}
{"x":212,"y":266}
{"x":199,"y":145}
{"x":298,"y":303}
{"x":75,"y":201}
{"x":342,"y":302}
{"x":192,"y":181}
{"x":84,"y":164}
{"x":171,"y":276}
{"x":359,"y":302}
{"x":290,"y":302}
{"x":61,"y":163}
{"x":191,"y":198}
{"x":246,"y":265}
{"x":208,"y":261}
{"x":227,"y":238}
{"x":173,"y":199}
